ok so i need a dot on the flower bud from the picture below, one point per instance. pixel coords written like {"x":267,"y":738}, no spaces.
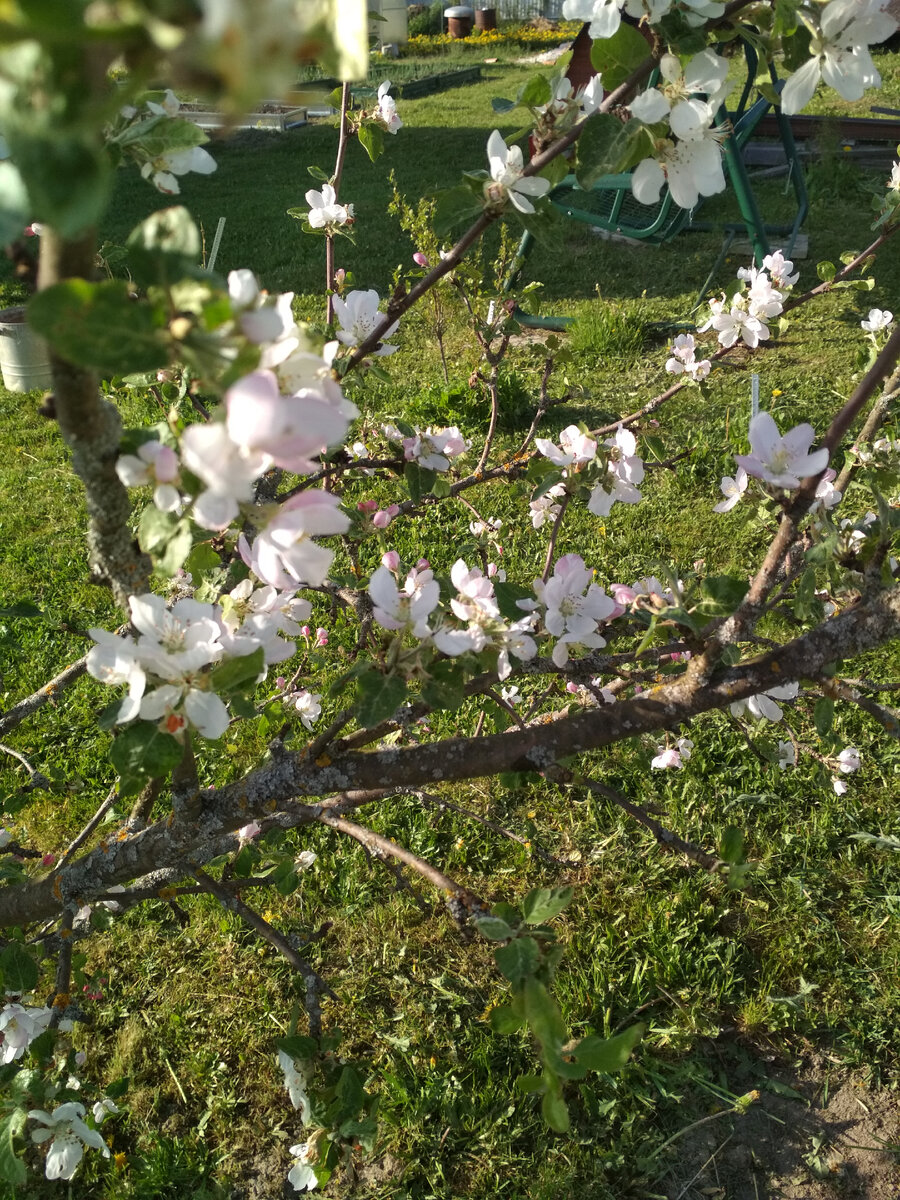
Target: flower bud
{"x":420,"y":259}
{"x":391,"y":560}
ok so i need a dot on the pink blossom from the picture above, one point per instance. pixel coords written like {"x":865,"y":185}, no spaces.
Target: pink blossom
{"x":48,"y":860}
{"x":367,"y":506}
{"x":391,"y":560}
{"x":321,"y":636}
{"x":420,"y":259}
{"x":383,"y":518}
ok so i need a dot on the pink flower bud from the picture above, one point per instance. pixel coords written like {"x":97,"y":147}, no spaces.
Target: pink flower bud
{"x":321,"y":636}
{"x":339,"y":276}
{"x":305,"y":631}
{"x":572,"y":688}
{"x":48,"y":860}
{"x":391,"y":560}
{"x":382,"y":519}
{"x":367,"y":506}
{"x":281,"y":683}
{"x":420,"y":259}
{"x":249,"y":831}
{"x":423,"y":565}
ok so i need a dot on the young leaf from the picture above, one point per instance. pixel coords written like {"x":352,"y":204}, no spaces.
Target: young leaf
{"x":142,"y":750}
{"x":505,"y":1020}
{"x":20,"y":971}
{"x":12,"y":1169}
{"x":617,"y":56}
{"x":238,"y":674}
{"x":378,"y":696}
{"x":517,"y":960}
{"x":555,"y":1112}
{"x":607,"y":1054}
{"x":493,"y":928}
{"x":543,"y":904}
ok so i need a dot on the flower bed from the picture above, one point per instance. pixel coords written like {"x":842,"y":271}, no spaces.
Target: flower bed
{"x":528,"y":37}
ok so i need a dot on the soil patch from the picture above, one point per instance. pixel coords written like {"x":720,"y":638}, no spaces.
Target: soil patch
{"x":815,"y":1133}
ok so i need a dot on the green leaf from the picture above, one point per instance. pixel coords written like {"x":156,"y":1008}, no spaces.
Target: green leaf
{"x":164,"y":247}
{"x":499,"y":105}
{"x":419,"y":480}
{"x":12,"y":1169}
{"x":238,"y":674}
{"x":536,"y":92}
{"x":454,"y":207}
{"x":603,"y":147}
{"x":24,"y":608}
{"x":722,"y":594}
{"x":608,"y":1054}
{"x":68,"y":177}
{"x":494,"y":928}
{"x":446,"y":687}
{"x":202,"y":558}
{"x":823,"y":716}
{"x":543,"y":904}
{"x":155,"y":528}
{"x":378,"y":697}
{"x":529,"y":1084}
{"x":807,"y":605}
{"x":298,"y":1046}
{"x":350,"y":1091}
{"x":826,"y":271}
{"x":142,"y":750}
{"x":507,"y":594}
{"x":20,"y":971}
{"x":554,"y":1110}
{"x":371,"y":138}
{"x":176,"y":550}
{"x":108,"y":716}
{"x":542,"y":1013}
{"x":99,"y":325}
{"x":517,"y":960}
{"x":505,"y":1019}
{"x":617,"y":56}
{"x":732,"y":845}
{"x":318,"y":173}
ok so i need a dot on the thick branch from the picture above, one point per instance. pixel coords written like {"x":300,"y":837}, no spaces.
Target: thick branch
{"x":864,"y":627}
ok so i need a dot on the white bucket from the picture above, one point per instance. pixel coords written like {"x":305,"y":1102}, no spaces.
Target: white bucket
{"x":24,"y":357}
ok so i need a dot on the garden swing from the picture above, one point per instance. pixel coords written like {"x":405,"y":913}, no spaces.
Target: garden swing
{"x":609,"y":205}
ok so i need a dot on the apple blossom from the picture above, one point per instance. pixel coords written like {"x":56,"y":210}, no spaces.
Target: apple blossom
{"x":358,"y":316}
{"x":683,"y":361}
{"x":161,"y":171}
{"x":735,"y":322}
{"x":324,"y":210}
{"x":780,"y":269}
{"x":675,"y":756}
{"x":284,"y":553}
{"x":733,"y":490}
{"x":841,"y":35}
{"x":840,"y":787}
{"x":406,"y":609}
{"x":763,"y":706}
{"x":285,"y":430}
{"x":154,"y":463}
{"x":572,"y":614}
{"x":848,"y":760}
{"x":301,"y":1175}
{"x":434,"y":448}
{"x":877,"y":320}
{"x":508,"y":182}
{"x":308,"y":706}
{"x":70,"y":1135}
{"x":20,"y":1026}
{"x":384,"y":516}
{"x":781,"y":461}
{"x":296,"y":1085}
{"x":787,"y":755}
{"x":386,"y":110}
{"x":574,"y":450}
{"x":545,"y":506}
{"x":827,"y":496}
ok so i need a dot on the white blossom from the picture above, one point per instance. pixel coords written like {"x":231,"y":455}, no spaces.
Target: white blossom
{"x":70,"y":1136}
{"x":781,"y":461}
{"x":358,"y":315}
{"x":508,"y":182}
{"x":324,"y":210}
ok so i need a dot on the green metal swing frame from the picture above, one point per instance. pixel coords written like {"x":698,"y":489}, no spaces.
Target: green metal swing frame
{"x":610,"y":206}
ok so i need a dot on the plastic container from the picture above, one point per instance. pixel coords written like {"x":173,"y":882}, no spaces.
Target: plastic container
{"x":459,"y":20}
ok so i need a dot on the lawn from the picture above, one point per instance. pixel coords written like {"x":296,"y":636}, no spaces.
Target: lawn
{"x":787,"y":988}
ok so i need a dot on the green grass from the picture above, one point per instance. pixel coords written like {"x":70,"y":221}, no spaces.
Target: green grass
{"x":189,"y":1012}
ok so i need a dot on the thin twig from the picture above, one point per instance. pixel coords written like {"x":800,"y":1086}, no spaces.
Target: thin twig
{"x":63,"y":969}
{"x":336,"y":184}
{"x":9,"y":720}
{"x":37,"y":778}
{"x":665,"y":837}
{"x":315,"y":985}
{"x":92,"y":824}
